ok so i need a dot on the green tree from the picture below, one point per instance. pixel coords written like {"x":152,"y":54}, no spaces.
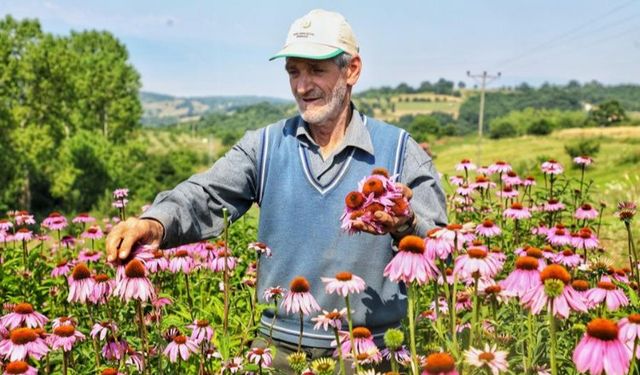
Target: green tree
{"x":607,"y":114}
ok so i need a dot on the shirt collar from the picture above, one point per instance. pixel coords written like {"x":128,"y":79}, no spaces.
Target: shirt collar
{"x":357,"y":134}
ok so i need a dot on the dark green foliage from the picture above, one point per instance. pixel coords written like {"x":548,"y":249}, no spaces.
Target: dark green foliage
{"x":607,"y":114}
{"x":585,"y":147}
{"x":503,"y":130}
{"x":540,"y":127}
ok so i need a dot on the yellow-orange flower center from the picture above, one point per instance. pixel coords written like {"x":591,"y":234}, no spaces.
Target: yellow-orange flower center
{"x":586,"y":207}
{"x":354,"y":200}
{"x":333,"y":315}
{"x":101,"y":278}
{"x":516,"y":206}
{"x":344,"y":276}
{"x":180,"y":339}
{"x":439,"y":362}
{"x":17,"y":367}
{"x":557,"y":272}
{"x":413,"y":244}
{"x":634,"y":318}
{"x":202,"y":323}
{"x":182,"y":253}
{"x":527,"y":263}
{"x":66,"y":330}
{"x":61,"y":263}
{"x":109,"y":371}
{"x":487,"y":223}
{"x":476,"y":253}
{"x":135,"y":268}
{"x":361,"y":333}
{"x":22,"y":336}
{"x":454,"y":226}
{"x":81,"y":272}
{"x":580,"y":285}
{"x":486,"y":356}
{"x":493,"y":289}
{"x":299,"y":285}
{"x":258,"y":351}
{"x":23,"y":308}
{"x":373,"y":185}
{"x":534,"y":252}
{"x":607,"y":285}
{"x":380,"y":171}
{"x":603,"y":329}
{"x":567,"y":252}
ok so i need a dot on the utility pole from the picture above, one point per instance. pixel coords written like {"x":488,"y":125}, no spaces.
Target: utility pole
{"x":484,"y":79}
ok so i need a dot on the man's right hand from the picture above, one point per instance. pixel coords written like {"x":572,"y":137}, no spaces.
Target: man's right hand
{"x":126,"y":234}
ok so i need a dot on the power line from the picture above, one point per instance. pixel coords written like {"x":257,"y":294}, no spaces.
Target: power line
{"x":557,"y":38}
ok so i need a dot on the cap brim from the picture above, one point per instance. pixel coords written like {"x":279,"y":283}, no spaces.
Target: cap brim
{"x":308,"y":51}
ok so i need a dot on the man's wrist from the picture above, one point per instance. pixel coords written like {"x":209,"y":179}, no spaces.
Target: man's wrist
{"x":405,"y":229}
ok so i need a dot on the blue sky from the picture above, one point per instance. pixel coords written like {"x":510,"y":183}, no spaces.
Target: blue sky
{"x":222,"y":47}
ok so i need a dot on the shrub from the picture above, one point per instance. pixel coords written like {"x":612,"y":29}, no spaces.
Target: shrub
{"x":588,"y":147}
{"x":540,"y":127}
{"x":502,"y":129}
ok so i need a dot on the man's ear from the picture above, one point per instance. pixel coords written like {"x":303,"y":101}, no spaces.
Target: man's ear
{"x":353,"y":70}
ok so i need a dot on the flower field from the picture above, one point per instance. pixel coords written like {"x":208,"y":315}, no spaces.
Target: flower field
{"x":517,"y":283}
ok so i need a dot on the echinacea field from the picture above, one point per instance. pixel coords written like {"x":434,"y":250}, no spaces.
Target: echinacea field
{"x":518,"y":282}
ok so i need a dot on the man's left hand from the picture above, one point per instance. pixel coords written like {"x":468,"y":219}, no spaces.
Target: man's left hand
{"x":390,"y":224}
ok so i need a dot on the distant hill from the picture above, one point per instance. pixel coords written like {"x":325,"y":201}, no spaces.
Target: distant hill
{"x":161,"y":109}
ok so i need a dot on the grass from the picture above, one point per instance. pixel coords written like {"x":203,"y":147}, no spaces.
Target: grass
{"x":615,"y":173}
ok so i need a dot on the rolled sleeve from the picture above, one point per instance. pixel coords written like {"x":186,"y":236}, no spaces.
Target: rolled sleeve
{"x":429,"y":201}
{"x":192,"y":211}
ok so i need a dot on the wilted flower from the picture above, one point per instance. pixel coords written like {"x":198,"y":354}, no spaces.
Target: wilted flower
{"x":626,"y":211}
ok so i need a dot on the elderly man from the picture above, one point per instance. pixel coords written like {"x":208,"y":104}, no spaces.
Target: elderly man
{"x":299,"y":171}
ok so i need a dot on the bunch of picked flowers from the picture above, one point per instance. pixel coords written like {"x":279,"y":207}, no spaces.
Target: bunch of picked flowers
{"x":377,"y":192}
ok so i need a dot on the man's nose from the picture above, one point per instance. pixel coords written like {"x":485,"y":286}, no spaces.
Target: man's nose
{"x":303,"y":84}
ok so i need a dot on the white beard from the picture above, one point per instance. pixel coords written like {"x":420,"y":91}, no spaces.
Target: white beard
{"x":322,"y":114}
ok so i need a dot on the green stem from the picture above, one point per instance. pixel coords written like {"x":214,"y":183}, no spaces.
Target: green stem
{"x":632,"y":367}
{"x":339,"y":346}
{"x":273,"y":321}
{"x":552,"y":334}
{"x":353,"y":341}
{"x":530,"y":339}
{"x":189,"y":299}
{"x":143,"y":335}
{"x":225,"y":325}
{"x":301,"y":328}
{"x":412,"y":329}
{"x":474,"y":316}
{"x":65,"y":361}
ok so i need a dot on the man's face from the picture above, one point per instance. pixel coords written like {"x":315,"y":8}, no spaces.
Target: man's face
{"x":319,"y":87}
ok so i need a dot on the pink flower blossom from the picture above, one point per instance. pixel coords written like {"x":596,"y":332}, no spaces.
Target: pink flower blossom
{"x":93,"y":233}
{"x":22,"y":343}
{"x":260,"y":248}
{"x":83,"y":218}
{"x":331,"y":319}
{"x":583,"y":160}
{"x":551,"y":167}
{"x":586,"y":212}
{"x":19,"y":368}
{"x":517,"y":212}
{"x":411,"y":263}
{"x":343,"y":284}
{"x":201,"y":331}
{"x":54,"y":221}
{"x":81,"y":284}
{"x":476,"y":260}
{"x":607,"y":292}
{"x":465,"y":165}
{"x":439,"y":364}
{"x":134,"y":284}
{"x":500,"y":167}
{"x":299,"y":300}
{"x":23,"y":315}
{"x":64,"y":337}
{"x":260,"y":356}
{"x":554,"y":287}
{"x":601,"y":350}
{"x":181,"y":346}
{"x":102,"y":329}
{"x":181,"y":262}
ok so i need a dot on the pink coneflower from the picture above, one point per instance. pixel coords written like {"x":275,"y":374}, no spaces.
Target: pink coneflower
{"x":19,"y":367}
{"x":400,"y":355}
{"x":114,"y":350}
{"x":511,"y":178}
{"x":493,"y":290}
{"x":143,"y":253}
{"x":23,"y":315}
{"x":559,"y":236}
{"x":456,"y":180}
{"x":493,"y":359}
{"x":619,"y":275}
{"x":585,"y":239}
{"x":529,"y":181}
{"x":93,"y":233}
{"x":104,"y":286}
{"x":463,"y":301}
{"x":476,"y":260}
{"x":201,"y":331}
{"x":465,"y":165}
{"x":63,"y":321}
{"x":180,"y":346}
{"x":223,"y":257}
{"x":87,"y":255}
{"x":411,"y":263}
{"x":500,"y":167}
{"x":273,"y":293}
{"x":135,"y":284}
{"x":5,"y":225}
{"x":552,"y":205}
{"x":626,"y":211}
{"x":102,"y":329}
{"x":55,"y":221}
{"x":260,"y":356}
{"x":24,"y":218}
{"x":568,"y":258}
{"x":158,"y":263}
{"x":181,"y":261}
{"x":111,"y":371}
{"x":120,"y":193}
{"x":629,"y":330}
{"x":464,"y":190}
{"x":343,"y":284}
{"x":83,"y":217}
{"x":23,"y":234}
{"x":64,"y":337}
{"x":551,"y":167}
{"x":81,"y":284}
{"x":507,"y":192}
{"x":583,"y":160}
{"x":482,"y":182}
{"x":601,"y":350}
{"x":299,"y":298}
{"x":260,"y":248}
{"x":22,"y":343}
{"x":606,"y":291}
{"x":233,"y":365}
{"x":68,"y":241}
{"x":331,"y":319}
{"x":363,"y":342}
{"x":524,"y":278}
{"x":439,"y":364}
{"x":517,"y":212}
{"x":555,"y":286}
{"x":586,"y":212}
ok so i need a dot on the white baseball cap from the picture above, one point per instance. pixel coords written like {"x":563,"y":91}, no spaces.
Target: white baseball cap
{"x":319,"y":35}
